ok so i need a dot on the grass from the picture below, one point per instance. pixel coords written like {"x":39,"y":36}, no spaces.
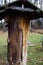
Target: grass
{"x":34,"y":37}
{"x":35,"y":54}
{"x":3,"y":48}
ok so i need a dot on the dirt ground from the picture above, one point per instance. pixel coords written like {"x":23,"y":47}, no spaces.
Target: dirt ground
{"x":3,"y":33}
{"x":38,"y":31}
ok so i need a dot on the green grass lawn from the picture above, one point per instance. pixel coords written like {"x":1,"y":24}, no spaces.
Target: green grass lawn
{"x":3,"y":48}
{"x":35,"y":53}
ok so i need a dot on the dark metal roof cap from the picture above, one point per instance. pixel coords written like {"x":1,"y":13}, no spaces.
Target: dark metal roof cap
{"x":22,"y":6}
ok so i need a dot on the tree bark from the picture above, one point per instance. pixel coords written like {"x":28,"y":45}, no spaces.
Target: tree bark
{"x":17,"y":40}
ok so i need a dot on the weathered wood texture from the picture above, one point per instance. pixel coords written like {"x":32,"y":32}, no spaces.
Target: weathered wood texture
{"x":25,"y":27}
{"x":17,"y":38}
